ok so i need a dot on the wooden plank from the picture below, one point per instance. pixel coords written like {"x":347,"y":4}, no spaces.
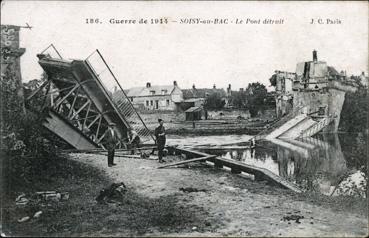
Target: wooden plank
{"x":103,"y":150}
{"x":224,"y":148}
{"x":121,"y":155}
{"x":189,"y":151}
{"x":188,"y":161}
{"x":236,"y":167}
{"x":260,"y":173}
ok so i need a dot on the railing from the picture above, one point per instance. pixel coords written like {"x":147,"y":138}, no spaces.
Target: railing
{"x":316,"y":127}
{"x":52,"y":52}
{"x":278,"y":123}
{"x":118,"y":96}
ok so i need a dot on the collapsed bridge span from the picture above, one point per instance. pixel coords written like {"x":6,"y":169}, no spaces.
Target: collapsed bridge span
{"x":80,"y":101}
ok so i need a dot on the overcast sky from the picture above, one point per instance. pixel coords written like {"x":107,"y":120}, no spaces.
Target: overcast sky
{"x":194,"y":54}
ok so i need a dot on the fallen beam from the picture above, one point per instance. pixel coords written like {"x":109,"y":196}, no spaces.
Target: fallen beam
{"x":259,"y":173}
{"x":188,"y":161}
{"x":103,"y":150}
{"x":122,"y":155}
{"x":224,"y":148}
{"x":190,"y":151}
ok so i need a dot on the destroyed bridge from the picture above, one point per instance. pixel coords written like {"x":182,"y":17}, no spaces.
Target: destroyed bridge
{"x":80,"y":103}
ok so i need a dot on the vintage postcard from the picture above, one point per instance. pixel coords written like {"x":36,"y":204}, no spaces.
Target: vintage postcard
{"x":184,"y":118}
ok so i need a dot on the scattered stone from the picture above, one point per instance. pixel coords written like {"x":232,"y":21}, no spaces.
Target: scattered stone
{"x":52,"y":195}
{"x":41,"y":197}
{"x":194,"y":228}
{"x":229,"y":188}
{"x":294,"y":217}
{"x":37,"y":214}
{"x":191,"y":190}
{"x":21,"y":200}
{"x":23,"y":219}
{"x":65,"y":196}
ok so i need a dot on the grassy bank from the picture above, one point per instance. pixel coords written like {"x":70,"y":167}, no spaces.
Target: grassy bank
{"x":81,"y":215}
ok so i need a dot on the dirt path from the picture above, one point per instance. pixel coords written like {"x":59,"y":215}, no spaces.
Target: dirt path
{"x":234,"y":206}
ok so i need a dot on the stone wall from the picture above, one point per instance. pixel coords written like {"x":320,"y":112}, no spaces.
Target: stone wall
{"x":330,"y":100}
{"x":11,"y":77}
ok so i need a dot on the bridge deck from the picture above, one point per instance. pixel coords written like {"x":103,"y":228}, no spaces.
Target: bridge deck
{"x":81,"y":106}
{"x":236,"y":167}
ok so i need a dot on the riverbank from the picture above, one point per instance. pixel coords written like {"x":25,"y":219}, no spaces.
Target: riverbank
{"x":212,"y":127}
{"x":154,"y":205}
{"x":228,"y":123}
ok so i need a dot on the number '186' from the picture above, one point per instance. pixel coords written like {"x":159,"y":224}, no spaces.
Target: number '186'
{"x":92,"y":20}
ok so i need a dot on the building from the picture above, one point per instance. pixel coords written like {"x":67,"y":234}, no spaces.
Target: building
{"x":318,"y":90}
{"x":166,"y":97}
{"x":195,"y":97}
{"x":194,"y":113}
{"x":283,"y":89}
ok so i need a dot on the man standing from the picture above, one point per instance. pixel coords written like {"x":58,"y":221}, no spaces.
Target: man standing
{"x":160,"y":139}
{"x":111,"y":139}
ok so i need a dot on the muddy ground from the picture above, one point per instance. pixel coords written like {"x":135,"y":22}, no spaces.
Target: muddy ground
{"x":154,"y":204}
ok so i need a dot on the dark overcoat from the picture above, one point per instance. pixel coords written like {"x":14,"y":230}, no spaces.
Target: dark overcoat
{"x":160,"y":140}
{"x":110,"y":139}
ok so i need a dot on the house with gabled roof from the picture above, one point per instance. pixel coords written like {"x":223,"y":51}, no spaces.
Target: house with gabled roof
{"x":195,"y":97}
{"x":155,"y":97}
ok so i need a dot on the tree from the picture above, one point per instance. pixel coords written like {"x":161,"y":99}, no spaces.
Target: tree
{"x":256,"y":95}
{"x":273,"y":80}
{"x":239,"y":99}
{"x":214,"y":102}
{"x":354,"y":115}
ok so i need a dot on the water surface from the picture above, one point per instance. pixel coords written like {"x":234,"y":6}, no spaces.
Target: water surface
{"x":336,"y":165}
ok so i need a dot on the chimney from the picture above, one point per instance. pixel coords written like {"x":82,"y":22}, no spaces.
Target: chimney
{"x":214,"y":87}
{"x":115,"y":88}
{"x":193,"y":86}
{"x":148,"y":85}
{"x":175,"y":83}
{"x":229,"y":89}
{"x":315,"y":56}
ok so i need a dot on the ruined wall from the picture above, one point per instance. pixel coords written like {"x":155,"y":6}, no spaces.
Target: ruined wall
{"x":337,"y":98}
{"x":330,"y":100}
{"x":283,"y":105}
{"x":312,"y":100}
{"x":11,"y":78}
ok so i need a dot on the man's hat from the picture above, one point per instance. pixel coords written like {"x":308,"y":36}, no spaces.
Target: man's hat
{"x":159,"y":120}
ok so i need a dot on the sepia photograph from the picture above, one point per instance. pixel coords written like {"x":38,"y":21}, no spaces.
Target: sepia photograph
{"x":184,"y":119}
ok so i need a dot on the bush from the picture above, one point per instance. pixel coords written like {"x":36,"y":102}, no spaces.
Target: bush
{"x":354,"y":115}
{"x":23,"y":140}
{"x":214,"y":102}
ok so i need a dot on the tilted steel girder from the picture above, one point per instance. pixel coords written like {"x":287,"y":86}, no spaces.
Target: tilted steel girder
{"x":80,"y":107}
